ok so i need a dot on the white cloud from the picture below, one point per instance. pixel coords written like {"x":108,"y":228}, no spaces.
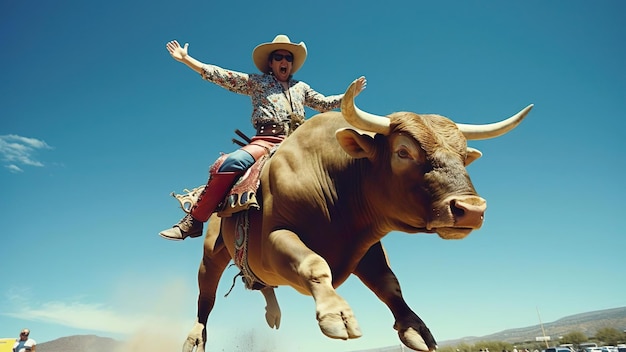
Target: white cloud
{"x":79,"y":315}
{"x":14,"y":168}
{"x":96,"y":317}
{"x":17,"y":150}
{"x":148,"y":315}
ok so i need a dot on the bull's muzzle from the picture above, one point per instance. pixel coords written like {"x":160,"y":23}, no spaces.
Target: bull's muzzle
{"x":468,"y":211}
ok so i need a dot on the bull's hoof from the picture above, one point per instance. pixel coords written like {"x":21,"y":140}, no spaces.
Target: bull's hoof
{"x":340,"y":326}
{"x":413,"y":340}
{"x":272,"y":317}
{"x":189,"y":346}
{"x":195,"y":339}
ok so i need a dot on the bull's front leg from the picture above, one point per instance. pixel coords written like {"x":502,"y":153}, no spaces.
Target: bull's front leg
{"x":375,"y":273}
{"x":309,"y":273}
{"x":214,"y":261}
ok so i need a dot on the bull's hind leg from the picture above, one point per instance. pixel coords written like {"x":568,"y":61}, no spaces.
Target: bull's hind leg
{"x":213,"y":264}
{"x":375,"y":273}
{"x":310,"y":274}
{"x":272,"y":310}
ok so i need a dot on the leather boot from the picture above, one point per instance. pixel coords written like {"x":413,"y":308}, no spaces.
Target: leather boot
{"x":214,"y":193}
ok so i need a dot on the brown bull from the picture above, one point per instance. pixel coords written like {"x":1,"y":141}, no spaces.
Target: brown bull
{"x":330,"y":194}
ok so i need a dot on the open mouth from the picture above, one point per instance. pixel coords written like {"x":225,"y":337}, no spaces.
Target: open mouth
{"x":283,"y":69}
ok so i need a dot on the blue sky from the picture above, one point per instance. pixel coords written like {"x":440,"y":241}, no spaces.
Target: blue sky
{"x":99,"y":124}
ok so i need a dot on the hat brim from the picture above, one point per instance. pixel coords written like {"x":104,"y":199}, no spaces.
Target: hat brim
{"x":261,"y":53}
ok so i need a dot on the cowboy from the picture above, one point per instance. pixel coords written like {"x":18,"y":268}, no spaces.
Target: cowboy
{"x":24,"y":343}
{"x":277,"y":99}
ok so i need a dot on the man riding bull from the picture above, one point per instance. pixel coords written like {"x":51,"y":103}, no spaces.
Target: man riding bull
{"x":278,"y":103}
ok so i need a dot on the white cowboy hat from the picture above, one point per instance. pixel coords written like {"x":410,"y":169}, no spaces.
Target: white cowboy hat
{"x":261,"y":53}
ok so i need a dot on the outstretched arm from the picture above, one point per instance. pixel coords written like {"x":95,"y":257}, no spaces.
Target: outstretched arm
{"x":179,"y":53}
{"x":234,"y":81}
{"x":322,"y":103}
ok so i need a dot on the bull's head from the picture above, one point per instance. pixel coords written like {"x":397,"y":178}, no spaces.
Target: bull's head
{"x":427,"y":157}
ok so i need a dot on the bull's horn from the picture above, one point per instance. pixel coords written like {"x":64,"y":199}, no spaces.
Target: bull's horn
{"x":493,"y":130}
{"x":361,"y":119}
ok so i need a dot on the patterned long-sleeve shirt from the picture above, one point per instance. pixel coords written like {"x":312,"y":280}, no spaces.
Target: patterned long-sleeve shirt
{"x":270,"y":103}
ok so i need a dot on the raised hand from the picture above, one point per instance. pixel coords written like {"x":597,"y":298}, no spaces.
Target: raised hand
{"x":178,"y":52}
{"x":361,"y":83}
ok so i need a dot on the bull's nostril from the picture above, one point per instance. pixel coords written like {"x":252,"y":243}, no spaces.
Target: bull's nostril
{"x":456,"y":211}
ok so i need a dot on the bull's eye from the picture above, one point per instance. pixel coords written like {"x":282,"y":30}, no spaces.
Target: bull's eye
{"x":403,"y":153}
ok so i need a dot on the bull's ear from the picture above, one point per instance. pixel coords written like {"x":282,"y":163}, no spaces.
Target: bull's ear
{"x":355,"y":144}
{"x":472,"y":154}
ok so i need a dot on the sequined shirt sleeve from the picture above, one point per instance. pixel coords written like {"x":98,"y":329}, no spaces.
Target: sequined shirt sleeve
{"x":232,"y":80}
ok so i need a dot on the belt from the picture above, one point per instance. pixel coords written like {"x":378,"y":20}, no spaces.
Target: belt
{"x":272,"y":129}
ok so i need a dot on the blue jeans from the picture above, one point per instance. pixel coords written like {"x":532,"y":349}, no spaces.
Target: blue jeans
{"x":239,"y":160}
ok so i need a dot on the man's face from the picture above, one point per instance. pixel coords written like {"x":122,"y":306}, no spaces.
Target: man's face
{"x":282,"y":67}
{"x":24,"y":334}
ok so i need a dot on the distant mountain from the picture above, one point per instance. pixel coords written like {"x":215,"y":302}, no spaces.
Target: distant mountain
{"x":80,"y":343}
{"x":588,"y":323}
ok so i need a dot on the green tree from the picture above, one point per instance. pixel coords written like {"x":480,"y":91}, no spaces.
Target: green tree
{"x":461,"y":347}
{"x":446,"y":349}
{"x":575,"y":337}
{"x":493,"y":346}
{"x":610,"y":336}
